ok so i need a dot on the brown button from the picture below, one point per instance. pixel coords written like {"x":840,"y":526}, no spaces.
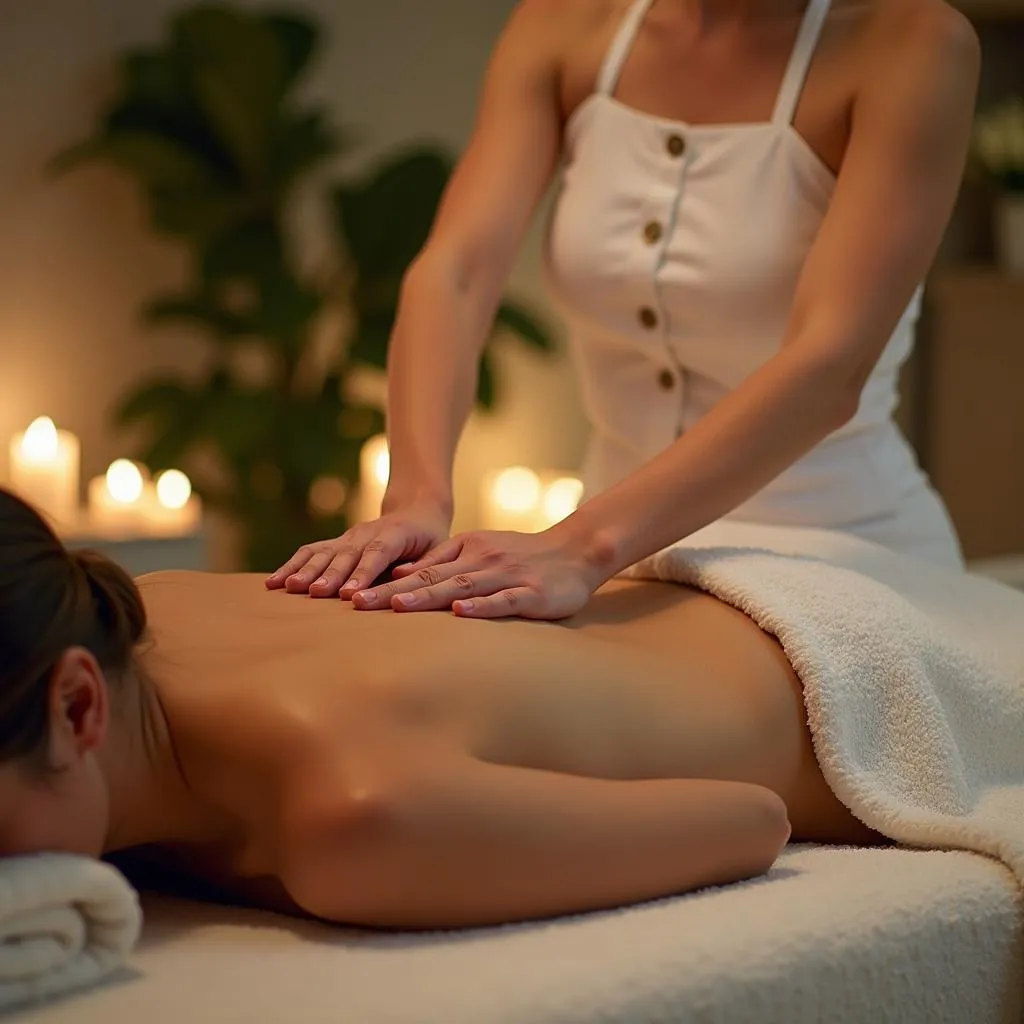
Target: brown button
{"x":652,"y":232}
{"x":667,"y":380}
{"x":648,"y":317}
{"x":675,"y":144}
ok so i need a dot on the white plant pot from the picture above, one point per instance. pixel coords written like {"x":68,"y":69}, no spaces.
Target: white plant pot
{"x":1009,"y":233}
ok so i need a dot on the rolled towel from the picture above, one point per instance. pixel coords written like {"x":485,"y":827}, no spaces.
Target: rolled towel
{"x":66,"y":922}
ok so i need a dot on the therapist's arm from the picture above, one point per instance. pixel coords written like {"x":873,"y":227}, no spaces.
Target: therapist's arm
{"x":910,"y":135}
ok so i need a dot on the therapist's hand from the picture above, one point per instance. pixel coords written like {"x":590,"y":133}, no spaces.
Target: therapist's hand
{"x":351,"y":562}
{"x":489,"y":575}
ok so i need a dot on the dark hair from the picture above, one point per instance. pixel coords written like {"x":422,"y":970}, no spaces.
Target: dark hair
{"x":52,"y":599}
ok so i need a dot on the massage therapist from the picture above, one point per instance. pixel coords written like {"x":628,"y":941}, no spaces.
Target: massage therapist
{"x":751,"y":194}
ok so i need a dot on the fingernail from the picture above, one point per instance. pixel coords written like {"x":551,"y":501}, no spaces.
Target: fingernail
{"x":463,"y":606}
{"x":366,"y":597}
{"x":407,"y":600}
{"x":351,"y":585}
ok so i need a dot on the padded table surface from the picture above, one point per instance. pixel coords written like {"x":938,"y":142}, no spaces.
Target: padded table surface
{"x":851,"y":935}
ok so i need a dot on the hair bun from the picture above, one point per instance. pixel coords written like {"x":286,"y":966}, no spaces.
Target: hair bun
{"x":118,"y":604}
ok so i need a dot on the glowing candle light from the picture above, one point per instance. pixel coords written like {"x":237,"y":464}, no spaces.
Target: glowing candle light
{"x":175,"y":509}
{"x":44,"y":464}
{"x":117,"y":500}
{"x":521,"y":499}
{"x":512,"y":500}
{"x":374,"y":471}
{"x":561,"y":498}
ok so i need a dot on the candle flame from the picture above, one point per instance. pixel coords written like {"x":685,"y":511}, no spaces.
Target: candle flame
{"x":40,"y":442}
{"x":124,"y":481}
{"x":562,"y":498}
{"x":517,"y":489}
{"x":173,"y":489}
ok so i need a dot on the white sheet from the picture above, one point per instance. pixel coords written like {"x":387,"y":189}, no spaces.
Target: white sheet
{"x":831,"y":936}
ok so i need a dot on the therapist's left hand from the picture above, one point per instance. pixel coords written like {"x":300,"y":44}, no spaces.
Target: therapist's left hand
{"x":490,"y":575}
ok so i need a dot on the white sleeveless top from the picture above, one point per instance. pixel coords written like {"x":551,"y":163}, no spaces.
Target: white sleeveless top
{"x":674,"y":251}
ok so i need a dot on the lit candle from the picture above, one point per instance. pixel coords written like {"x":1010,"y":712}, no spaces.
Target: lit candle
{"x":520,"y":499}
{"x":561,"y":498}
{"x":512,"y":500}
{"x":44,"y":465}
{"x":118,"y":499}
{"x":173,"y":508}
{"x":374,"y":470}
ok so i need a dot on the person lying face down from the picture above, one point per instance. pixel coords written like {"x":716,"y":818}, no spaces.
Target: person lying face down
{"x":390,"y":770}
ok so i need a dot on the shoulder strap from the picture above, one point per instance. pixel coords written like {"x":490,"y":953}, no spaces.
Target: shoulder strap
{"x":615,"y":58}
{"x":800,"y":61}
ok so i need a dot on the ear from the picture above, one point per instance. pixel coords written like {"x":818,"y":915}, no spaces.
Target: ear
{"x":79,"y":704}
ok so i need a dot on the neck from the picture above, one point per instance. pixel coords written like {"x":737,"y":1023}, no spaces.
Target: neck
{"x":151,"y":801}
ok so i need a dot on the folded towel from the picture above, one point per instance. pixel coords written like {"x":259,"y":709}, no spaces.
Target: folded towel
{"x":913,"y":675}
{"x":65,"y":922}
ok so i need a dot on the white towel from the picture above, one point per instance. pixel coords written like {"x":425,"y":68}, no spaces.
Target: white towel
{"x":913,"y":675}
{"x":65,"y":922}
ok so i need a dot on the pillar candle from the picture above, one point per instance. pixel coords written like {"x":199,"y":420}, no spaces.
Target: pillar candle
{"x":44,"y":469}
{"x":519,"y":498}
{"x":171,"y":507}
{"x":118,"y":499}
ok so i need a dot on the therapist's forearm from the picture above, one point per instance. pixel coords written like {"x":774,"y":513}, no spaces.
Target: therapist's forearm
{"x":443,"y":320}
{"x":742,"y":444}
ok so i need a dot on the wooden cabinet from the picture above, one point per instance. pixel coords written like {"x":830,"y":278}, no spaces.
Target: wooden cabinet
{"x":965,"y":405}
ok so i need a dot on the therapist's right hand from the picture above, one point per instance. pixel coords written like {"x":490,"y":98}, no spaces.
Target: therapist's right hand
{"x":351,"y":562}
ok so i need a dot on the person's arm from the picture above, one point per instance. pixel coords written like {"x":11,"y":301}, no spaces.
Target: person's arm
{"x":910,"y":134}
{"x":488,"y":844}
{"x":447,"y":304}
{"x":451,"y":293}
{"x":899,"y":180}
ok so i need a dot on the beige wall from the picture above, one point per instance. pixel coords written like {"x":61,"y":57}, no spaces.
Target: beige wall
{"x":76,"y":260}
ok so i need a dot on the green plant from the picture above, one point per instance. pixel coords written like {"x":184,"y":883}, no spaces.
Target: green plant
{"x":999,"y":143}
{"x":208,"y":125}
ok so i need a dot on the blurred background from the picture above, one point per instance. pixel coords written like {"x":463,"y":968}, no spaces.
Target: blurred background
{"x":205,"y":213}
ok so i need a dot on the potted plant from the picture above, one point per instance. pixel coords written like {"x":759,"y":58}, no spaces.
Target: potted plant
{"x":208,"y":125}
{"x":999,"y":145}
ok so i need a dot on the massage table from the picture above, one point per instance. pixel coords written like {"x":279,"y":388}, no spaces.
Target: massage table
{"x":913,"y":684}
{"x":866,"y":936}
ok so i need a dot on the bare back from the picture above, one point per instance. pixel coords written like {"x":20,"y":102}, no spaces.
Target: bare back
{"x":266,"y":692}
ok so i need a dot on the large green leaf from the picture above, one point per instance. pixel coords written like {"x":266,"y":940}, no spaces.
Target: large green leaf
{"x":156,"y":96}
{"x":297,"y":37}
{"x":161,"y":400}
{"x":240,"y":422}
{"x":239,"y":70}
{"x":252,"y":249}
{"x":196,"y":310}
{"x":486,"y":392}
{"x":168,"y":411}
{"x":195,"y":215}
{"x":385,"y":219}
{"x":287,"y":312}
{"x":299,"y":143}
{"x":157,"y":161}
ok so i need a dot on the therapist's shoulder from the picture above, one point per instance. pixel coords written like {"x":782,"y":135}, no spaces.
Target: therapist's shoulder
{"x":929,"y":31}
{"x":561,"y":26}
